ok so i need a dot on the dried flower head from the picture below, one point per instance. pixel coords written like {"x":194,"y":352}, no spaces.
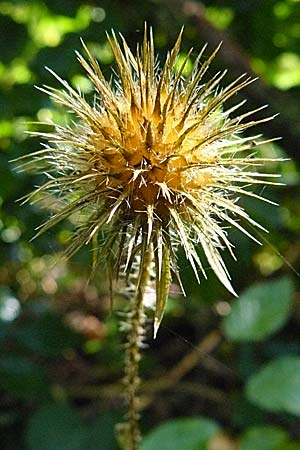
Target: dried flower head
{"x":155,"y":162}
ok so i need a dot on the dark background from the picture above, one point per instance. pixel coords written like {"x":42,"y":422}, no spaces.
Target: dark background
{"x":230,"y":367}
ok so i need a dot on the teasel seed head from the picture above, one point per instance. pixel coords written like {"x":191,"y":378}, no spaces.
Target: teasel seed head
{"x":157,"y":161}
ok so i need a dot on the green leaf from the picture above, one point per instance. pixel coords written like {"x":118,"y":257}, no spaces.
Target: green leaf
{"x":260,"y":311}
{"x":13,"y":37}
{"x":191,"y":433}
{"x":55,"y":427}
{"x":22,"y":378}
{"x":101,"y":433}
{"x":263,"y":437}
{"x":46,"y":335}
{"x":276,"y":387}
{"x":290,"y":446}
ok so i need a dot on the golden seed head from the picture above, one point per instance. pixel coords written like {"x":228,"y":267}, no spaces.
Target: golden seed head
{"x":157,"y":160}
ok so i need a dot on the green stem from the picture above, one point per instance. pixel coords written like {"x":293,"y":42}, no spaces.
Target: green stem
{"x":135,"y":322}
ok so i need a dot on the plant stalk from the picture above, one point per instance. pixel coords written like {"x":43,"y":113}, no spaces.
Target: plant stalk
{"x":131,"y":436}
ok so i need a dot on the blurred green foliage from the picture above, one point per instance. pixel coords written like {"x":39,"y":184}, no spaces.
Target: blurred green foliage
{"x":188,"y":433}
{"x":61,"y":352}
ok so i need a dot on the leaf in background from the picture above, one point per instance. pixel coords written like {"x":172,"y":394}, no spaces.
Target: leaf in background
{"x":22,"y":378}
{"x":101,"y":433}
{"x":276,"y":387}
{"x":55,"y":427}
{"x":46,"y":335}
{"x":13,"y":37}
{"x":290,"y":446}
{"x":260,"y":311}
{"x":264,"y":437}
{"x":190,"y":433}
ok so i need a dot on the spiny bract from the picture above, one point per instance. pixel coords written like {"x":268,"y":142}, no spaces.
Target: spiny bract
{"x":155,"y":162}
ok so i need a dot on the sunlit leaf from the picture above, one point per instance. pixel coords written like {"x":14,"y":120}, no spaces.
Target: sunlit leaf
{"x":191,"y":433}
{"x":264,"y":437}
{"x":276,"y":387}
{"x":260,"y":311}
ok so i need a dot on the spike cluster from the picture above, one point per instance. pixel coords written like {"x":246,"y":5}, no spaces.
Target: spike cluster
{"x":156,"y":162}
